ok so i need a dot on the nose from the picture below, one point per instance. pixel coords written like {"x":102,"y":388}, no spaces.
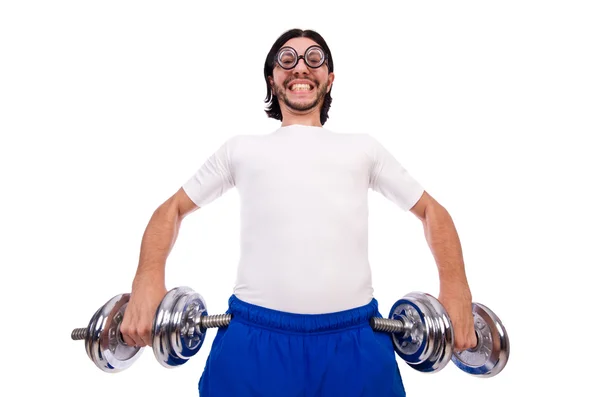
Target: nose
{"x":301,"y":67}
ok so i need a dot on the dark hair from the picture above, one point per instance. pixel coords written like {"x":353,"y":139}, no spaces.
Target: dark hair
{"x":272,"y":109}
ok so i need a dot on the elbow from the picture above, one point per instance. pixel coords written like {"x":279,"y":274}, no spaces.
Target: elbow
{"x":437,"y":214}
{"x":428,"y":209}
{"x":167,"y":211}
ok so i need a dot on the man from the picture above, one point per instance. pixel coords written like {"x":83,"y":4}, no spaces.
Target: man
{"x":303,"y":295}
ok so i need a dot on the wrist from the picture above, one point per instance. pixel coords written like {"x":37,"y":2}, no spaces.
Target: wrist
{"x":458,"y":290}
{"x":143,"y":281}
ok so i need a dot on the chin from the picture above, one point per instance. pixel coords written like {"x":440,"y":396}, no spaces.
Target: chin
{"x":306,"y":104}
{"x":305,"y":107}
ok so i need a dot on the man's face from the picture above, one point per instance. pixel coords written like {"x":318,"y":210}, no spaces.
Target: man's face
{"x":301,"y":88}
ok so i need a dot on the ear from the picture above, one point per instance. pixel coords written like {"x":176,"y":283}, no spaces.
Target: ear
{"x":330,"y":81}
{"x":271,"y":84}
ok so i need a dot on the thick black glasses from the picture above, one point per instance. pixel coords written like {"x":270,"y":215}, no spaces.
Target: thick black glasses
{"x":288,"y":58}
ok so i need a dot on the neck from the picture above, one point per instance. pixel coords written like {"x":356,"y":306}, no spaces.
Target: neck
{"x":292,"y":121}
{"x":311,"y":118}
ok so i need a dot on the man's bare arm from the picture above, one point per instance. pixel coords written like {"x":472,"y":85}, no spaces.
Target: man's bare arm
{"x":148,"y":287}
{"x":160,"y":237}
{"x":444,"y":243}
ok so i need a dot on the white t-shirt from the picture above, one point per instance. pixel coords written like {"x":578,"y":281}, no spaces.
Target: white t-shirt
{"x":304,"y":214}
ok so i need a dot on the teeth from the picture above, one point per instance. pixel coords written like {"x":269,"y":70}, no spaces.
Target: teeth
{"x":300,"y":87}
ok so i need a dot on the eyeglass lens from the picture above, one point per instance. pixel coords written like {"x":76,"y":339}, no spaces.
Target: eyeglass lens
{"x":288,"y":57}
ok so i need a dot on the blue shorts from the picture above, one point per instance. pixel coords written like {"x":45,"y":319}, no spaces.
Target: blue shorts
{"x":266,"y":353}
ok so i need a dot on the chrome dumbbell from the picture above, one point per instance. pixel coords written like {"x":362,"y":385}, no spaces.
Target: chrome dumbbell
{"x":178,"y":331}
{"x":423,"y":337}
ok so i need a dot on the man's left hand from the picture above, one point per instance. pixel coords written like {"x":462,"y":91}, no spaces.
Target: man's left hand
{"x":458,"y":306}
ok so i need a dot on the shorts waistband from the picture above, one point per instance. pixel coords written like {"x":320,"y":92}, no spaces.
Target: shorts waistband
{"x":294,"y":322}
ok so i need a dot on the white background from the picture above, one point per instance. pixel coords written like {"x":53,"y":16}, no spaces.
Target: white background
{"x":106,"y":108}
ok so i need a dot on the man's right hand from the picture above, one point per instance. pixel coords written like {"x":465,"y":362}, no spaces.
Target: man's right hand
{"x":136,"y":327}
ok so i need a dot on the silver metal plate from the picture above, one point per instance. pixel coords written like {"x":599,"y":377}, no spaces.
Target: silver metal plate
{"x":491,"y":354}
{"x":103,"y":343}
{"x":185,"y":338}
{"x":427,"y":343}
{"x":444,"y":334}
{"x":411,"y":344}
{"x":161,"y":329}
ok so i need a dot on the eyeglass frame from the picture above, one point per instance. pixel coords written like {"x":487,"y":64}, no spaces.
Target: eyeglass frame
{"x":298,"y":57}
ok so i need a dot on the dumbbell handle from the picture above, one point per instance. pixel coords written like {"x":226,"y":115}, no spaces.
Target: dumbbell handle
{"x":202,"y":322}
{"x":212,"y":321}
{"x":400,"y":326}
{"x":223,"y":320}
{"x":79,"y":333}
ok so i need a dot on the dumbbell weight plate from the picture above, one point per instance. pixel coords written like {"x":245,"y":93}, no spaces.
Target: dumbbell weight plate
{"x":103,"y":343}
{"x":161,"y":329}
{"x":444,"y":332}
{"x":425,"y":346}
{"x":490,"y":355}
{"x":185,"y":339}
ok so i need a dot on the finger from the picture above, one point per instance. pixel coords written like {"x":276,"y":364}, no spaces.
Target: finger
{"x":473,"y":340}
{"x":465,"y":340}
{"x":131,"y":336}
{"x":458,"y":345}
{"x":139,"y":341}
{"x":127,"y":338}
{"x":460,"y":341}
{"x":146,"y":337}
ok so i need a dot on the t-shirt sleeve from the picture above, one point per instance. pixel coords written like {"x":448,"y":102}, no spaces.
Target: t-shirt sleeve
{"x":389,"y":178}
{"x":213,"y":178}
